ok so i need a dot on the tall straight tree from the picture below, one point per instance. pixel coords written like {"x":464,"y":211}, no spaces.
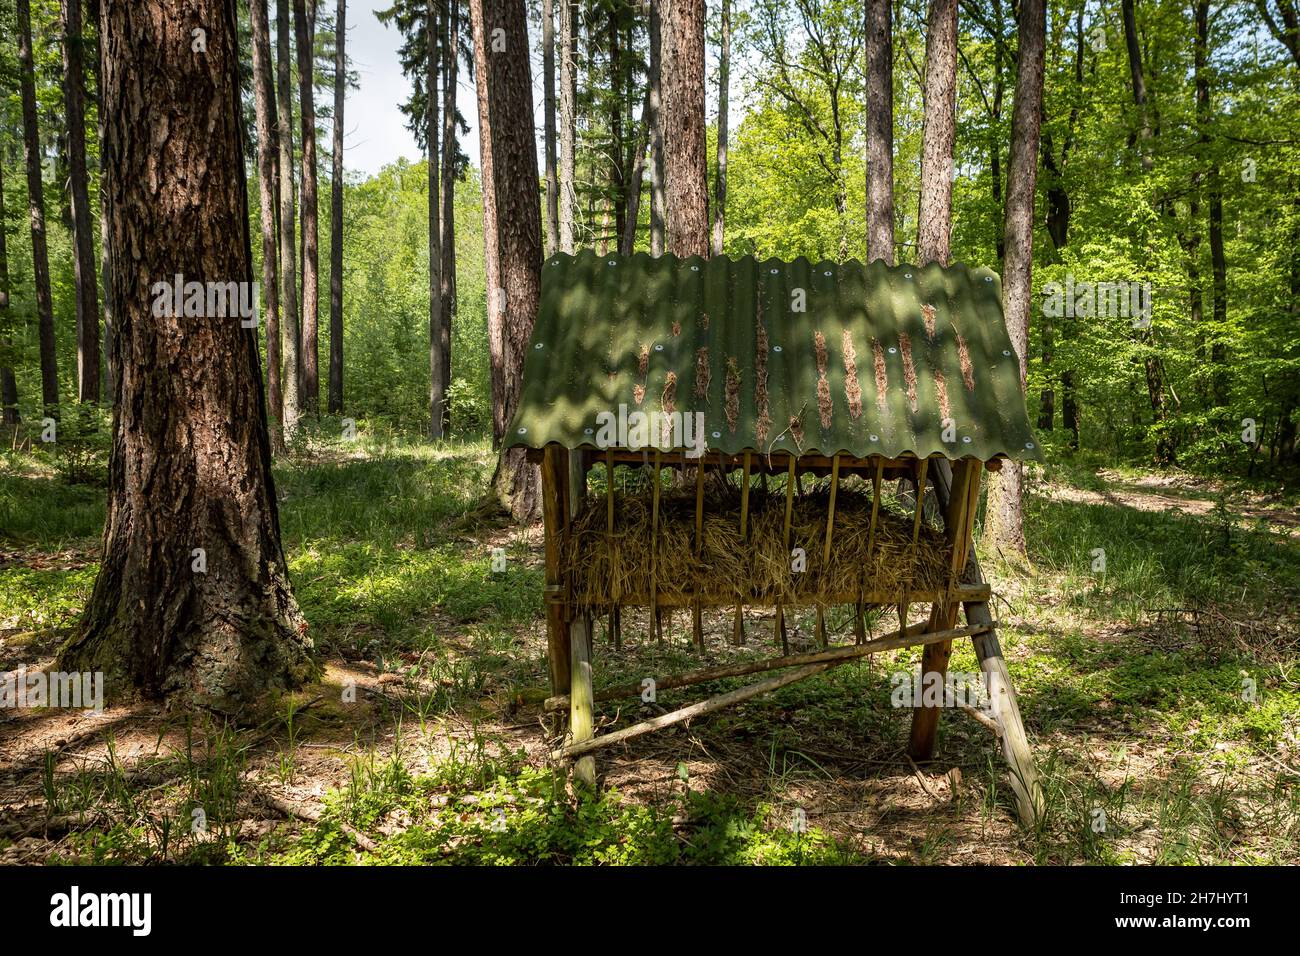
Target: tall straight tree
{"x":491,"y":250}
{"x":36,"y":211}
{"x":8,"y":384}
{"x":1004,"y":522}
{"x":437,"y":383}
{"x":267,"y":194}
{"x":938,"y":135}
{"x":518,"y":218}
{"x":83,"y":240}
{"x":305,"y":33}
{"x":686,"y":162}
{"x":724,"y":83}
{"x":105,"y":240}
{"x":548,"y":120}
{"x":880,"y":131}
{"x":290,"y":378}
{"x":655,"y":101}
{"x":450,"y":150}
{"x":192,"y":600}
{"x":336,"y":212}
{"x":568,"y":123}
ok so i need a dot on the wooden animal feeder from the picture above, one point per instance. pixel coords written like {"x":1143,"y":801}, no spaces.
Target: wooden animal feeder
{"x":744,"y":422}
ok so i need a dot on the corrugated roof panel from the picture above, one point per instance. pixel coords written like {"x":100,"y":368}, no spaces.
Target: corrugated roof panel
{"x":778,"y":356}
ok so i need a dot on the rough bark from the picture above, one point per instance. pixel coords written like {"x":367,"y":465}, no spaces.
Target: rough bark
{"x":304,"y":18}
{"x":880,"y":131}
{"x":655,"y":84}
{"x":191,"y":463}
{"x":491,"y":254}
{"x":1004,"y":524}
{"x":447,"y":279}
{"x":291,"y":398}
{"x":548,"y":113}
{"x":518,"y":224}
{"x":568,"y":123}
{"x":724,"y":84}
{"x":934,"y":221}
{"x":83,"y":241}
{"x":36,"y":211}
{"x":267,"y":194}
{"x":336,"y":212}
{"x":686,"y":163}
{"x":437,"y":384}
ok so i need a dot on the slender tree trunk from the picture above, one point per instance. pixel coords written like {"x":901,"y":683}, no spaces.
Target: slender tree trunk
{"x":548,"y":109}
{"x":8,"y":384}
{"x":83,"y":242}
{"x":686,"y":164}
{"x":934,"y":221}
{"x":491,"y":255}
{"x":1129,"y":17}
{"x":291,"y":410}
{"x":267,"y":194}
{"x":36,"y":209}
{"x":1218,"y":261}
{"x":519,"y":227}
{"x":437,"y":383}
{"x":617,"y":169}
{"x":336,"y":213}
{"x":105,"y":220}
{"x":658,"y":206}
{"x":305,"y":28}
{"x":450,"y":61}
{"x":192,"y":600}
{"x":724,"y":83}
{"x":568,"y":123}
{"x":880,"y":131}
{"x":1004,"y":524}
{"x":633,"y":216}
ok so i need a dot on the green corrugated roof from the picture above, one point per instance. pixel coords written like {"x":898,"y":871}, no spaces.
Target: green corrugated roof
{"x":615,"y":330}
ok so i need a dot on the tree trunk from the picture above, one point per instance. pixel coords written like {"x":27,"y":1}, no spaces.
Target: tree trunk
{"x":336,"y":214}
{"x":105,"y":239}
{"x":880,"y":131}
{"x":633,"y":215}
{"x":8,"y":384}
{"x":290,"y":376}
{"x":305,"y":29}
{"x":548,"y":110}
{"x":518,"y":225}
{"x":36,"y":209}
{"x":617,"y":170}
{"x":934,"y":221}
{"x":724,"y":82}
{"x":1134,"y":52}
{"x":191,"y":463}
{"x":491,"y":254}
{"x":437,"y":384}
{"x":267,"y":192}
{"x":686,"y":163}
{"x":568,"y":123}
{"x":1004,"y":524}
{"x":450,"y":61}
{"x":83,"y":241}
{"x":658,"y":210}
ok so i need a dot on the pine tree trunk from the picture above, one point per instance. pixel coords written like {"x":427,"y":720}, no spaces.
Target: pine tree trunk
{"x":8,"y":384}
{"x":880,"y":131}
{"x":632,"y":217}
{"x":291,"y":375}
{"x":1004,"y":524}
{"x":267,"y":194}
{"x":491,"y":259}
{"x":437,"y":384}
{"x":724,"y":83}
{"x":656,"y":100}
{"x":191,"y":463}
{"x":83,"y":241}
{"x":568,"y":123}
{"x":519,"y":227}
{"x":105,"y":238}
{"x":617,"y":170}
{"x":548,"y":111}
{"x":305,"y":30}
{"x":450,"y":147}
{"x":36,"y":209}
{"x":336,"y":213}
{"x":934,"y":221}
{"x":686,"y":160}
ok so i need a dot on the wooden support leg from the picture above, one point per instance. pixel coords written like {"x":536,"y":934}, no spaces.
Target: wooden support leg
{"x":554,"y":478}
{"x":581,"y":700}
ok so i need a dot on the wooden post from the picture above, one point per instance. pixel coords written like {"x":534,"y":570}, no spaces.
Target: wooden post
{"x":789,"y":511}
{"x":654,"y":551}
{"x":738,"y":630}
{"x":859,"y":627}
{"x":554,"y":466}
{"x":916,"y":536}
{"x":615,"y":622}
{"x":581,"y":704}
{"x":826,"y":551}
{"x":697,"y":625}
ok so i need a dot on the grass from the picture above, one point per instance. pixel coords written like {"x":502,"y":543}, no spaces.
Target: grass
{"x":1161,"y":694}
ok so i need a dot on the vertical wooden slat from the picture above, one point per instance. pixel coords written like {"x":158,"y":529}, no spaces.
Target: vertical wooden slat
{"x":916,"y":536}
{"x":789,"y":512}
{"x":697,"y":625}
{"x":615,"y":625}
{"x":738,"y":630}
{"x":826,"y":550}
{"x":654,"y":551}
{"x":557,"y":624}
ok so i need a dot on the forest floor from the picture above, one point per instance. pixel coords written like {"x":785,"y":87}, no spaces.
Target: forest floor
{"x":1162,"y":698}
